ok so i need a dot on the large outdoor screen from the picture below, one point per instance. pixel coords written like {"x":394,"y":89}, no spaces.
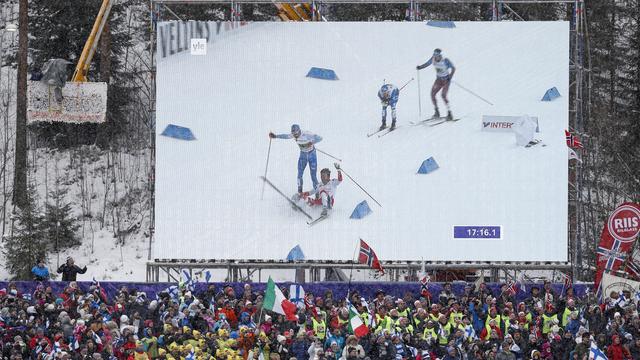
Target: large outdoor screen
{"x":460,"y":190}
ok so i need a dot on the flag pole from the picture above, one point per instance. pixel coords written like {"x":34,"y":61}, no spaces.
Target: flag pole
{"x":353,"y":260}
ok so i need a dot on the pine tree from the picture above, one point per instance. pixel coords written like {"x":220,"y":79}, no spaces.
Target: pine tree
{"x":28,"y":242}
{"x":59,"y":222}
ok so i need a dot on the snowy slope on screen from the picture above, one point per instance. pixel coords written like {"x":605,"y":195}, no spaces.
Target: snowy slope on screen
{"x":208,"y":190}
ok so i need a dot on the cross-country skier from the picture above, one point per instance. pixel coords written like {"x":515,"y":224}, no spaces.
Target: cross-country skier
{"x":326,"y":191}
{"x":443,"y":79}
{"x":305,"y":141}
{"x":388,"y":95}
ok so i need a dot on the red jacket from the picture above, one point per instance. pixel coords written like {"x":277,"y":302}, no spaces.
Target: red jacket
{"x":618,"y":352}
{"x":36,"y":340}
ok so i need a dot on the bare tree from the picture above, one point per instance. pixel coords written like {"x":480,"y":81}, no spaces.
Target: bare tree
{"x":20,"y":166}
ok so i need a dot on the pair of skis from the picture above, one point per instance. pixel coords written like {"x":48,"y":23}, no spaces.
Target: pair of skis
{"x":430,"y":121}
{"x":433,"y":121}
{"x":296,"y":207}
{"x":382,"y":132}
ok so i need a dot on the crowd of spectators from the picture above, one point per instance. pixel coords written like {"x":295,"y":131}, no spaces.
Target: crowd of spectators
{"x":218,"y":323}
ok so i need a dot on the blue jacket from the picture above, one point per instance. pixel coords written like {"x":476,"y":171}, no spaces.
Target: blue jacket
{"x":40,"y":273}
{"x":573,"y":326}
{"x":299,"y":349}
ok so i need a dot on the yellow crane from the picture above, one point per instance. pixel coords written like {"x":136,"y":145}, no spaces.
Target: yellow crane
{"x":80,"y":74}
{"x":79,"y":101}
{"x":296,"y":12}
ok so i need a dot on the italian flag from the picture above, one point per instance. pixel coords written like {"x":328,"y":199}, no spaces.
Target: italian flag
{"x":275,"y":301}
{"x":356,"y":326}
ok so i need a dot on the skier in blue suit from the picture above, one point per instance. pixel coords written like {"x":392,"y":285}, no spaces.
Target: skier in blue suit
{"x":388,"y":95}
{"x":306,"y":141}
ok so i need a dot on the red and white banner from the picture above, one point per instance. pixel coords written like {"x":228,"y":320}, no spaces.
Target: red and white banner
{"x":618,"y":237}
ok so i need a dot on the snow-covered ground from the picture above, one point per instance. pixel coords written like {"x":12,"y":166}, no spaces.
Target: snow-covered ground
{"x":209,"y":194}
{"x":84,"y":172}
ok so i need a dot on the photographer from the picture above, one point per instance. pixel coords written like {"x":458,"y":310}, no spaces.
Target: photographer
{"x":69,"y":270}
{"x":352,"y":350}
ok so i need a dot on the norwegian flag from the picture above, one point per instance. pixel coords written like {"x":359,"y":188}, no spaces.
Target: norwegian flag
{"x":572,"y":140}
{"x":424,"y":286}
{"x":568,"y":282}
{"x":512,"y":287}
{"x":310,"y":307}
{"x":369,"y":257}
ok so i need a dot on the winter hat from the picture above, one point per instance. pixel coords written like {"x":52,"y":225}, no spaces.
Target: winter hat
{"x":31,"y":310}
{"x":124,"y":319}
{"x":281,"y":338}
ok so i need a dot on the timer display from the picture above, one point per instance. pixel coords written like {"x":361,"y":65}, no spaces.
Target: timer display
{"x":477,"y":232}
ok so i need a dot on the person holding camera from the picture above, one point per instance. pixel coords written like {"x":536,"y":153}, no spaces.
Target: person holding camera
{"x":353,"y":350}
{"x":70,"y":270}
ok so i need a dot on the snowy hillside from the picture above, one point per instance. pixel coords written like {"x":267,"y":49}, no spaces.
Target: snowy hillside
{"x":208,"y":191}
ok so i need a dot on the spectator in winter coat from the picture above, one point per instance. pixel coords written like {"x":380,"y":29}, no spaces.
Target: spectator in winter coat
{"x":505,"y":353}
{"x":616,"y":351}
{"x":69,"y":270}
{"x":352,"y":343}
{"x":299,"y":347}
{"x":583,"y":348}
{"x":40,"y":271}
{"x":634,"y":349}
{"x":568,"y":345}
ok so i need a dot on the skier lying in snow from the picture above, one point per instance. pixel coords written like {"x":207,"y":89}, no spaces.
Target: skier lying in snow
{"x":325,"y":192}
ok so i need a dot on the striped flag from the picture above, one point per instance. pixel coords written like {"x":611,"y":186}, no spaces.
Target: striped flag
{"x":595,"y":353}
{"x":96,"y":339}
{"x":191,"y":356}
{"x":568,"y":282}
{"x":275,"y":301}
{"x":572,"y":140}
{"x":368,"y":256}
{"x":356,"y":326}
{"x":296,"y":295}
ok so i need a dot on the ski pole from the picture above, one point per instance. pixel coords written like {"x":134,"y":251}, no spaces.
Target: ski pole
{"x":405,"y":84}
{"x":266,"y":167}
{"x":329,"y":155}
{"x":365,"y":191}
{"x":419,"y":97}
{"x":472,"y":93}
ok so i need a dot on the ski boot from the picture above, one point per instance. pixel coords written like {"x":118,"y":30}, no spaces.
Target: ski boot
{"x":436,"y":114}
{"x":449,"y":116}
{"x":324,"y":212}
{"x":393,"y":125}
{"x":383,"y":126}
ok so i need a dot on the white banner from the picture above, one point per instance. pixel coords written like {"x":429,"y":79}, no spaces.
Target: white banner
{"x":504,"y":123}
{"x":81,"y":102}
{"x":611,"y":283}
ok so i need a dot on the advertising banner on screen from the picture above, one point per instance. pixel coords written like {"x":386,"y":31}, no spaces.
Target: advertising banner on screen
{"x":175,"y":37}
{"x":497,"y":123}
